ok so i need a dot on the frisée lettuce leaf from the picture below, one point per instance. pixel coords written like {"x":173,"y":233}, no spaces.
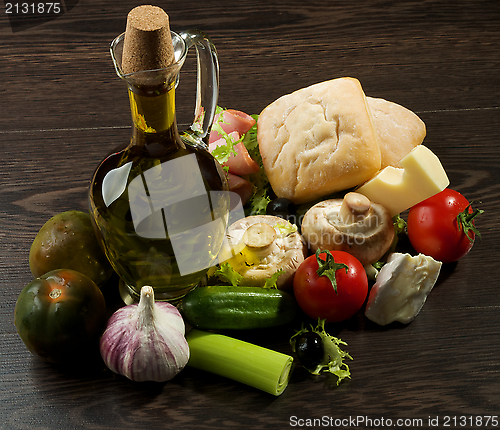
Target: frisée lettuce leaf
{"x":262,"y":190}
{"x":333,"y":355}
{"x":223,"y":152}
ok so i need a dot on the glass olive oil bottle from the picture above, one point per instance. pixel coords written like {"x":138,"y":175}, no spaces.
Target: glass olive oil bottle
{"x":160,"y":203}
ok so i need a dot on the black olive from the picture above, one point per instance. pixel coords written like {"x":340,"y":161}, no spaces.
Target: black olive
{"x":310,"y":350}
{"x":281,"y":207}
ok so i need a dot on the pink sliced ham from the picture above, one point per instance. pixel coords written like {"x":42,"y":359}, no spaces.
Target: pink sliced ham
{"x":241,"y":163}
{"x":232,"y":120}
{"x":240,"y":186}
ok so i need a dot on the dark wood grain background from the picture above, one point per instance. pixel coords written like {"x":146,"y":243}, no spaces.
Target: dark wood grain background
{"x":63,"y":108}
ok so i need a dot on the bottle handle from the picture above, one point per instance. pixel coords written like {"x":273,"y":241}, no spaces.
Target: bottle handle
{"x":207,"y":88}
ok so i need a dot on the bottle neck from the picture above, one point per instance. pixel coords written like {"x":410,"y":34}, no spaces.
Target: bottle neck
{"x":153,"y":117}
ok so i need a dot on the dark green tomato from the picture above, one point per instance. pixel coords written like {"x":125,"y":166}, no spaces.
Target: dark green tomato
{"x":281,"y":207}
{"x":60,"y":316}
{"x":67,"y":241}
{"x":310,"y":350}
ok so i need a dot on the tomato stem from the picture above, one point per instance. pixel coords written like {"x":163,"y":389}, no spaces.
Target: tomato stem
{"x":328,"y":267}
{"x":465,"y":222}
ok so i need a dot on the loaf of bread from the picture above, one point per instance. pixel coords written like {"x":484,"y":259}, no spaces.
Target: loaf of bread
{"x":330,"y":137}
{"x":398,"y":129}
{"x":318,"y":140}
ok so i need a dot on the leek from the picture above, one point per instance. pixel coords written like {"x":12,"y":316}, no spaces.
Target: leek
{"x":250,"y":364}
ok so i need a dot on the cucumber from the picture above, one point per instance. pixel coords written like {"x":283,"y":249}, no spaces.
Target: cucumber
{"x":237,"y":308}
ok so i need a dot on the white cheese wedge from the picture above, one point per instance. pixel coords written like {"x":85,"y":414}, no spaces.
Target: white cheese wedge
{"x":401,"y":288}
{"x":421,"y":176}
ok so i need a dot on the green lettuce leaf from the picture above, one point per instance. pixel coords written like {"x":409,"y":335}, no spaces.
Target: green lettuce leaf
{"x":333,"y":359}
{"x":227,"y":274}
{"x":223,"y":152}
{"x":262,"y":190}
{"x":285,"y":228}
{"x":271,"y":282}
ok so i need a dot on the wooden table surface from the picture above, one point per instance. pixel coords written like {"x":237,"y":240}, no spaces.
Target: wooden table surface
{"x":63,"y":108}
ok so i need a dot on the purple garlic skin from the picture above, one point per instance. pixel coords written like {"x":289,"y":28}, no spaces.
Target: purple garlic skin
{"x":145,"y":341}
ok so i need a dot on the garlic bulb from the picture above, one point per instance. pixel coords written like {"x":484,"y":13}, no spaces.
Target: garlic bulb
{"x":145,"y":341}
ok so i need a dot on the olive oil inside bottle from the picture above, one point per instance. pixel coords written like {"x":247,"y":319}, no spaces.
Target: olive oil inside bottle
{"x":160,"y":205}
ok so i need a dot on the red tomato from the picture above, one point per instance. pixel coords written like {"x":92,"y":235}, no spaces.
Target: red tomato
{"x":316,"y":295}
{"x":435,"y":230}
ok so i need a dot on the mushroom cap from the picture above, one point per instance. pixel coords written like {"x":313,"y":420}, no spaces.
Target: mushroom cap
{"x":367,"y":235}
{"x":257,"y":260}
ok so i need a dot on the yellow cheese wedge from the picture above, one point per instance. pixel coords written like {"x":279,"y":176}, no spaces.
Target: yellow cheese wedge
{"x":421,"y":176}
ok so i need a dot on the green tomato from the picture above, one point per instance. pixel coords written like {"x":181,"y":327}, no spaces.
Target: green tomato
{"x":60,"y":316}
{"x":68,"y":241}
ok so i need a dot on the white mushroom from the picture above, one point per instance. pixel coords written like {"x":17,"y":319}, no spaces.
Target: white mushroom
{"x":263,"y":244}
{"x":355,"y":225}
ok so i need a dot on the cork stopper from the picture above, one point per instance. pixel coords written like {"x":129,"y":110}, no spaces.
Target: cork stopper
{"x":148,"y":42}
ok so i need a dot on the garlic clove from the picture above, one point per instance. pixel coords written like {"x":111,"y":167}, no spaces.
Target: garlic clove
{"x":145,"y":341}
{"x":156,"y":359}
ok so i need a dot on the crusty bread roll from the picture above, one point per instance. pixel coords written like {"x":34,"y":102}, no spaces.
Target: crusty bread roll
{"x":398,"y":129}
{"x":318,"y":140}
